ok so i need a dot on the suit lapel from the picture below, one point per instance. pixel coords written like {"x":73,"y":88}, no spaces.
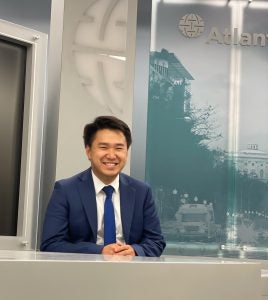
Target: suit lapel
{"x":127,"y":202}
{"x":88,"y":197}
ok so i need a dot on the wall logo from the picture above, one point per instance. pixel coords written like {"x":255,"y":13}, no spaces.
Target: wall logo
{"x":191,"y":25}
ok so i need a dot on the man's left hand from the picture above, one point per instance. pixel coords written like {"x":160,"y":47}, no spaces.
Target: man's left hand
{"x":124,"y":250}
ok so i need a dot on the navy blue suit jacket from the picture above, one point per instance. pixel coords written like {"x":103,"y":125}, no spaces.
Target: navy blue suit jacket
{"x":71,"y":219}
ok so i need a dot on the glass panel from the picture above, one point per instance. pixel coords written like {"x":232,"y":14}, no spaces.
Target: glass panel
{"x":206,"y":155}
{"x":252,"y":157}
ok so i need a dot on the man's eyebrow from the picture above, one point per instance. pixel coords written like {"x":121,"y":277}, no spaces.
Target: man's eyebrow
{"x":107,"y":144}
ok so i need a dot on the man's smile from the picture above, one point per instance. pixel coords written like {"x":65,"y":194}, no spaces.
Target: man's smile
{"x":110,"y":164}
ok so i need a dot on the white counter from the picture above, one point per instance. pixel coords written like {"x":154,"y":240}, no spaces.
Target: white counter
{"x":264,"y":284}
{"x":49,"y":276}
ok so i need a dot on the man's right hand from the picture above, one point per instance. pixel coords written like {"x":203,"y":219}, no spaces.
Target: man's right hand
{"x":118,"y":249}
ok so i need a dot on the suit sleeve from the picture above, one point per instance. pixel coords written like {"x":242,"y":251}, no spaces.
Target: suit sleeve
{"x":152,"y":243}
{"x":56,"y":237}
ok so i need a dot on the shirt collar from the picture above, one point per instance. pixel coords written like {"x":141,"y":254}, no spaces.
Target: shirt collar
{"x":98,"y":184}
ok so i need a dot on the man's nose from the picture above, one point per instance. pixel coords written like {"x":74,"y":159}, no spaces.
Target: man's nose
{"x":111,"y":153}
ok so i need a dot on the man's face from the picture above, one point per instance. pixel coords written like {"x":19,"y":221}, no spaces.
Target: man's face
{"x":108,"y":154}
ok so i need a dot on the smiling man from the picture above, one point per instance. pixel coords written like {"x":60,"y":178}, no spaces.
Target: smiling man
{"x":101,"y":210}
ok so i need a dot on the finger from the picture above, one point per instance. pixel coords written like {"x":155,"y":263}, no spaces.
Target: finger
{"x":118,"y":248}
{"x":127,"y":252}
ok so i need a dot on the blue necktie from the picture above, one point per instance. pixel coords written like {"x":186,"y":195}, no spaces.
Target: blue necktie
{"x":109,"y":220}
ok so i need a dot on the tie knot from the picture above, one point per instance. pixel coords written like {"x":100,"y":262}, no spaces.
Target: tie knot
{"x":108,"y":190}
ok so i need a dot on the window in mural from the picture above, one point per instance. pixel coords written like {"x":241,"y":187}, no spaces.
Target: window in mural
{"x":207,"y":146}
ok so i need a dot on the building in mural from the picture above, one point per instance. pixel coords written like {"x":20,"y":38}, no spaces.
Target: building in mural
{"x":252,"y":162}
{"x":166,"y":67}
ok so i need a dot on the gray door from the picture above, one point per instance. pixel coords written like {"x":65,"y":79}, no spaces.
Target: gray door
{"x":12,"y":83}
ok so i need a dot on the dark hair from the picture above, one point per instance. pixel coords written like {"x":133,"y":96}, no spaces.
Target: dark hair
{"x":105,"y":122}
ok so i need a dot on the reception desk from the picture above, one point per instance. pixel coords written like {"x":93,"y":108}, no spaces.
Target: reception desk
{"x":264,"y":284}
{"x":48,"y":276}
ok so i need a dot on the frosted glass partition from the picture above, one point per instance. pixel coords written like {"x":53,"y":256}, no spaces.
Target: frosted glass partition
{"x":97,"y":73}
{"x":206,"y":134}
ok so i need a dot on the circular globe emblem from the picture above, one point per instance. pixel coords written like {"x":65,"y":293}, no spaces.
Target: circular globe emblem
{"x":191,"y":25}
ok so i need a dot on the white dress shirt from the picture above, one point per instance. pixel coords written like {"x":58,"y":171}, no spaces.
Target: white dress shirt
{"x":100,"y":199}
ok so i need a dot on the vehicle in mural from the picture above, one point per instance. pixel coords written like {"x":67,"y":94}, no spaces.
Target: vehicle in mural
{"x":195,"y":222}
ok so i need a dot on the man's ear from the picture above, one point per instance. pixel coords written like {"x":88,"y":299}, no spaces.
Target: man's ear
{"x":88,"y":152}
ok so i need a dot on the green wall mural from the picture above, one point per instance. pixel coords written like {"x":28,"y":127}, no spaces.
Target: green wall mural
{"x":207,"y":205}
{"x":207,"y":126}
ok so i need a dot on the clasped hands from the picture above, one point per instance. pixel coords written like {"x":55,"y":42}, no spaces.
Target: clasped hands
{"x":118,"y":249}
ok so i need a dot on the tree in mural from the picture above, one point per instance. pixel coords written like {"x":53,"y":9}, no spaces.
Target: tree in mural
{"x":175,"y":151}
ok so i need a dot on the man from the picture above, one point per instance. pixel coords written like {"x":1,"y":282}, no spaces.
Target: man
{"x":77,"y":212}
